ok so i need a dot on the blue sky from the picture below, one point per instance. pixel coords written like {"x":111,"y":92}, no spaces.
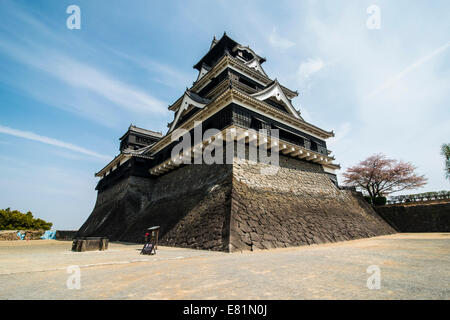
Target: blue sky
{"x":66,"y":96}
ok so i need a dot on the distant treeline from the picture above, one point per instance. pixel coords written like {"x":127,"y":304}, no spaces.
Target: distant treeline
{"x":16,"y":220}
{"x":426,"y":196}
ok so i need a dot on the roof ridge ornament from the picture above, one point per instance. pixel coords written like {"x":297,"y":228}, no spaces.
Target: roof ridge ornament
{"x":213,"y":42}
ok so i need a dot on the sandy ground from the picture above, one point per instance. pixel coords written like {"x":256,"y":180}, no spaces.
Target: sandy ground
{"x":412,"y":266}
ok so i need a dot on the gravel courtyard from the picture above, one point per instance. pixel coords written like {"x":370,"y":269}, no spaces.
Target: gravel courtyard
{"x":412,"y":266}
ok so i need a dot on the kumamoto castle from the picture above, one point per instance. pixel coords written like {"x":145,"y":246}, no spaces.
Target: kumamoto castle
{"x":240,"y":203}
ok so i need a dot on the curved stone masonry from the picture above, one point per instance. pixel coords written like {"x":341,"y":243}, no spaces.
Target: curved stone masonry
{"x":234,"y":208}
{"x":298,"y":205}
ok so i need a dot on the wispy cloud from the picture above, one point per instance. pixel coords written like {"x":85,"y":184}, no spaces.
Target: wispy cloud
{"x":84,"y":88}
{"x":279,"y":42}
{"x":50,"y":141}
{"x":395,"y":79}
{"x":308,"y":68}
{"x":81,"y":75}
{"x":396,"y":122}
{"x":84,"y":76}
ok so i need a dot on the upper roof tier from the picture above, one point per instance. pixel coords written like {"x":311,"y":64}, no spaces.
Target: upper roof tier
{"x":142,"y":131}
{"x":223,"y":46}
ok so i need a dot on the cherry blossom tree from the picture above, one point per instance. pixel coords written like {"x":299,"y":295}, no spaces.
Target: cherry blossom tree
{"x":445,"y":151}
{"x":380,"y":176}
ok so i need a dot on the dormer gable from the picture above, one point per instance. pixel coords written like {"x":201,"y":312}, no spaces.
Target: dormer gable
{"x":246,"y":54}
{"x":275,"y":92}
{"x":187,"y":102}
{"x":254,"y":64}
{"x":203,"y":70}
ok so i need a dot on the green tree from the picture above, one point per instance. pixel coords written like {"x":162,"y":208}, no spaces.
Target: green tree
{"x":15,"y":220}
{"x":445,"y":151}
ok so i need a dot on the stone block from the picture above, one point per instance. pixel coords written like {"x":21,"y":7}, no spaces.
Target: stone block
{"x":90,"y":244}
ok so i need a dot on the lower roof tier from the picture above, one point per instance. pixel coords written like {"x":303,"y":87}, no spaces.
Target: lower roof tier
{"x":237,"y":115}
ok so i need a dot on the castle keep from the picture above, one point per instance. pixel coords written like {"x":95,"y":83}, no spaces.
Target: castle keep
{"x":232,"y":205}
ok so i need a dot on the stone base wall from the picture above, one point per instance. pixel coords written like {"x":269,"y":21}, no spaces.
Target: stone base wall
{"x":116,"y":208}
{"x":12,"y":234}
{"x":8,"y":235}
{"x":234,"y":207}
{"x":433,"y":217}
{"x":298,"y":205}
{"x":190,"y":204}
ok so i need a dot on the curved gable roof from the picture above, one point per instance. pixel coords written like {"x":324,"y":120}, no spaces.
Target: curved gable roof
{"x":275,"y":90}
{"x":189,"y":98}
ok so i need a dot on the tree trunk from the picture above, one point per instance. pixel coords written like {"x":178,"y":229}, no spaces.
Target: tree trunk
{"x":373,"y":199}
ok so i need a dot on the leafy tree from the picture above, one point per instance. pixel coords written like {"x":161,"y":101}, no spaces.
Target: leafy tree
{"x":15,"y":220}
{"x":445,"y":151}
{"x":380,"y":176}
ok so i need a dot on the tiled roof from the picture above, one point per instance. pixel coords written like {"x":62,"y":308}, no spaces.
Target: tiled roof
{"x":145,"y":131}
